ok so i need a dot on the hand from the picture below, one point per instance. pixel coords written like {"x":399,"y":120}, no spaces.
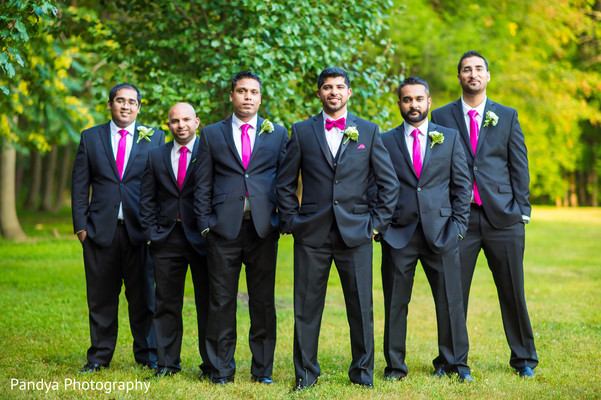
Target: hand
{"x":82,"y":236}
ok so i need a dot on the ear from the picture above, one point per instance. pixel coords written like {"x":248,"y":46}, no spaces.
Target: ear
{"x":231,"y":96}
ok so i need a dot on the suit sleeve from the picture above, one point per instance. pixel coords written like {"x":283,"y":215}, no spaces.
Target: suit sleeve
{"x":287,"y":182}
{"x":148,"y":200}
{"x":386,"y":182}
{"x":518,"y":166}
{"x":460,"y":187}
{"x":80,"y":187}
{"x":203,"y":189}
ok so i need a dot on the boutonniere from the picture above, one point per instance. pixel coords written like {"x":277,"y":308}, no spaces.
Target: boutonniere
{"x":266,"y":126}
{"x":436,"y":138}
{"x":194,"y":160}
{"x":491,"y":119}
{"x":145,"y":133}
{"x":351,"y":133}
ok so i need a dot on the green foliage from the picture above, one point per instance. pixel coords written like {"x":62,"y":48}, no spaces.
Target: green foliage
{"x":44,"y":326}
{"x":190,"y":50}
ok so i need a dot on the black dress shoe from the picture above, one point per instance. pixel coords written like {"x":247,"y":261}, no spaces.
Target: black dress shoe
{"x":525,"y":372}
{"x":90,"y":367}
{"x":465,"y":377}
{"x":301,"y":387}
{"x":164,"y":372}
{"x":216,"y":380}
{"x":439,"y":372}
{"x":262,"y":379}
{"x":394,"y":378}
{"x":367,"y":385}
{"x":149,"y":364}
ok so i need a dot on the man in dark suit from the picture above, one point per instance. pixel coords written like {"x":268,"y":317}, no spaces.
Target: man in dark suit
{"x":429,"y":219}
{"x":110,"y":161}
{"x":170,"y":226}
{"x":340,"y":157}
{"x":498,"y":161}
{"x":236,"y":210}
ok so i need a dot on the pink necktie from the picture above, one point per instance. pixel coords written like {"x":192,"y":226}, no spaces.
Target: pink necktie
{"x":417,"y":152}
{"x":183,"y":164}
{"x":474,"y":131}
{"x":339,"y":123}
{"x":245,"y":145}
{"x":121,"y":152}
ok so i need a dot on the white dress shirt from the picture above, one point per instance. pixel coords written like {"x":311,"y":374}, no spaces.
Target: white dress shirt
{"x":479,"y":109}
{"x":175,"y":155}
{"x":237,"y":132}
{"x":423,"y":138}
{"x":129,"y":141}
{"x":334,"y":135}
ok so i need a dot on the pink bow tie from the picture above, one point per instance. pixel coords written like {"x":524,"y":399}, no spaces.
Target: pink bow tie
{"x":339,"y":123}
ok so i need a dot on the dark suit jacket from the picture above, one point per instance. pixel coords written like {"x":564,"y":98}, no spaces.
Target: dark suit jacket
{"x":95,"y":167}
{"x":441,"y":196}
{"x":223,"y":181}
{"x":336,"y":191}
{"x":162,"y":202}
{"x":500,"y":165}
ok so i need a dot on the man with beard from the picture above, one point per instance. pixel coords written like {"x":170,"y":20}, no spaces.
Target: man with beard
{"x":430,"y":218}
{"x":498,"y":162}
{"x":341,"y":159}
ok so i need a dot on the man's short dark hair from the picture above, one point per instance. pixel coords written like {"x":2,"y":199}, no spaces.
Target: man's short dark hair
{"x":413,"y":80}
{"x":333,"y":72}
{"x":246,"y":75}
{"x":468,"y":54}
{"x":116,"y":88}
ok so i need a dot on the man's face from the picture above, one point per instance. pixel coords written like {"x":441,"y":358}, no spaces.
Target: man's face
{"x":473,"y":75}
{"x":414,"y":104}
{"x":124,"y":107}
{"x":183,"y":123}
{"x":334,"y":95}
{"x":246,"y":98}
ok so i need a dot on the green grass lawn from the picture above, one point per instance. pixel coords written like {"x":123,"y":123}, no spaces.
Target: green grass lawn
{"x":44,"y":326}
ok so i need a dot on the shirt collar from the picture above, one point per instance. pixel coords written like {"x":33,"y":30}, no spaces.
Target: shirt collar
{"x":423,"y":128}
{"x":479,"y":108}
{"x":189,"y":145}
{"x":129,"y":128}
{"x":238,"y":123}
{"x":326,"y":116}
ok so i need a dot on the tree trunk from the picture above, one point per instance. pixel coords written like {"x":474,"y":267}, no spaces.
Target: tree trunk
{"x":63,"y":177}
{"x":573,"y":199}
{"x":49,"y":172}
{"x":9,"y":222}
{"x":594,"y":185}
{"x":36,"y":180}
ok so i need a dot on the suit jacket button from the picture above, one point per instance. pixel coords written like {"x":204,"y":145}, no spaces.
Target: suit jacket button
{"x":475,"y":168}
{"x":116,"y":205}
{"x":121,"y":184}
{"x":335,"y":202}
{"x":337,"y":181}
{"x":416,"y":213}
{"x":246,"y":175}
{"x":334,"y":164}
{"x":419,"y":189}
{"x":241,"y":197}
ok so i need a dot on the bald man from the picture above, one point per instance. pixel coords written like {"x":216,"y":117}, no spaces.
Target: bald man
{"x":167,"y":212}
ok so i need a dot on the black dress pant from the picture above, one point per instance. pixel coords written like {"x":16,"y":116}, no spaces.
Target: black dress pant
{"x":107,"y":268}
{"x":225,"y":259}
{"x":172,"y":258}
{"x":443,"y":273}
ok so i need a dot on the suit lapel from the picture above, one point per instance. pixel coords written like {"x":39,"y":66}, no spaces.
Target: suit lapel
{"x":192,"y":164}
{"x":431,"y":128}
{"x":321,"y":138}
{"x":258,"y":140}
{"x":351,"y":120}
{"x":105,"y":138}
{"x":399,"y":136}
{"x":226,"y":129}
{"x":463,"y":129}
{"x":167,"y":160}
{"x":490,"y":106}
{"x":135,"y":147}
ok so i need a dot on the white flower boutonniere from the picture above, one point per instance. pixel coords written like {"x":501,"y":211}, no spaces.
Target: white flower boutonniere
{"x":491,"y":119}
{"x":144,"y":133}
{"x":436,"y":138}
{"x":351,"y":133}
{"x":266,"y":126}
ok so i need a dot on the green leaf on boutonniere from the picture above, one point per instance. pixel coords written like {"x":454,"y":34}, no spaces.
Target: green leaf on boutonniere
{"x":491,"y":119}
{"x":145,"y":133}
{"x":436,"y":138}
{"x":266,"y":126}
{"x":351,"y":133}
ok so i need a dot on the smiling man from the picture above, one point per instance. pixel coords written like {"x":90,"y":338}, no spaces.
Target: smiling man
{"x":169,"y":223}
{"x":349,"y":191}
{"x":236,"y":209}
{"x":110,"y":162}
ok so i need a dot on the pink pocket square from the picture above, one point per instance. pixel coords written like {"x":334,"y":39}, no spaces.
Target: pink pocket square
{"x":360,"y":146}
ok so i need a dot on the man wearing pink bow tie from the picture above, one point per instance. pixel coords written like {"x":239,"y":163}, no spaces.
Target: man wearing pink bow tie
{"x":349,"y":191}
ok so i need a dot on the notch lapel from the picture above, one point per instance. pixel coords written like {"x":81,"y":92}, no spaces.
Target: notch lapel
{"x":105,"y":138}
{"x":192,"y":164}
{"x":167,"y":160}
{"x":228,"y":134}
{"x":490,"y":106}
{"x":463,"y":129}
{"x":258,"y":140}
{"x":431,"y":127}
{"x":321,"y":138}
{"x":135,"y":147}
{"x":399,"y":136}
